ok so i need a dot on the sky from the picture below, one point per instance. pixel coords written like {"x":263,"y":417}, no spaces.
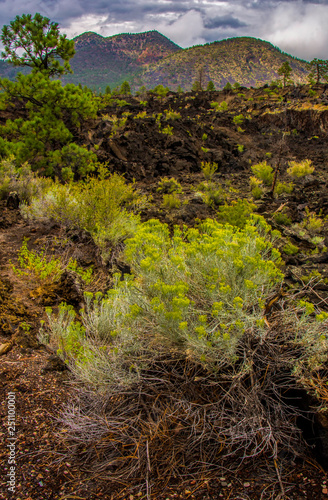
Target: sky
{"x":298,"y":27}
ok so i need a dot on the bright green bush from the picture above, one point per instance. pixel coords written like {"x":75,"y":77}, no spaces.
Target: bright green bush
{"x":236,"y":214}
{"x":168,"y":186}
{"x":167,"y":130}
{"x":290,"y":248}
{"x":238,"y":119}
{"x":283,"y":187}
{"x":171,"y":115}
{"x":46,"y":268}
{"x":103,"y":206}
{"x":171,"y":201}
{"x":209,"y":169}
{"x":300,"y":169}
{"x":312,"y":222}
{"x":196,"y":292}
{"x":223,"y":106}
{"x":20,"y":179}
{"x":264,"y":172}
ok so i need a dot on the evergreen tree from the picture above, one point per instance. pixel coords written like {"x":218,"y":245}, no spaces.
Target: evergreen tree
{"x":196,"y":86}
{"x":210,"y":86}
{"x":285,"y":71}
{"x":319,"y":70}
{"x":107,"y":90}
{"x":44,"y":49}
{"x":227,"y":86}
{"x":125,"y":88}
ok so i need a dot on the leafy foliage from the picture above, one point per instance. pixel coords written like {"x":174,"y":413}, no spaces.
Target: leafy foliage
{"x":263,"y":172}
{"x":54,"y":113}
{"x":104,"y":206}
{"x":196,"y":292}
{"x":300,"y":169}
{"x":44,"y":48}
{"x":319,"y":70}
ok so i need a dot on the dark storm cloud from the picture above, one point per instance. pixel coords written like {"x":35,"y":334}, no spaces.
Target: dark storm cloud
{"x":223,"y":22}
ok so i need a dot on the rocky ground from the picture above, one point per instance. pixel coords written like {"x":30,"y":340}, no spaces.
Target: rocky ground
{"x":290,"y":125}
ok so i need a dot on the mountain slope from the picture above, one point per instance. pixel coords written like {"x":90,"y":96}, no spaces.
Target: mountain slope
{"x":248,"y":61}
{"x":100,"y":61}
{"x":150,"y":59}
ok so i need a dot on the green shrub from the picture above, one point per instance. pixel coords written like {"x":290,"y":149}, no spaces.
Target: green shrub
{"x":168,"y":186}
{"x":167,"y":130}
{"x":26,"y":183}
{"x":196,"y":292}
{"x":257,"y":193}
{"x":223,"y":106}
{"x":290,"y":249}
{"x":312,"y":222}
{"x":240,"y":148}
{"x":103,"y":206}
{"x":209,"y":169}
{"x":171,"y":115}
{"x":45,"y":268}
{"x":300,"y":169}
{"x":171,"y":201}
{"x":283,"y":187}
{"x":281,"y":218}
{"x":238,"y":119}
{"x":236,"y":214}
{"x":264,"y":172}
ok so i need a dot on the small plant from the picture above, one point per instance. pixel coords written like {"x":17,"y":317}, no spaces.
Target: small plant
{"x":204,"y":137}
{"x":141,"y":115}
{"x":264,"y":172}
{"x":169,"y":186}
{"x":171,"y":201}
{"x":300,"y":169}
{"x":37,"y":264}
{"x":312,"y":222}
{"x":268,"y":155}
{"x":282,"y":219}
{"x":167,"y":130}
{"x":312,"y":93}
{"x":104,"y":206}
{"x":240,"y":148}
{"x":171,"y":115}
{"x":290,"y":249}
{"x":209,"y":169}
{"x":256,"y":187}
{"x":45,"y":268}
{"x":283,"y":187}
{"x":257,"y":193}
{"x":238,"y":119}
{"x":220,"y":107}
{"x":236,"y":214}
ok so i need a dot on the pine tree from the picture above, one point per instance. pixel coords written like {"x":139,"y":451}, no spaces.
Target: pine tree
{"x":44,"y":49}
{"x":319,"y":70}
{"x":285,"y":71}
{"x":210,"y":86}
{"x":125,"y":88}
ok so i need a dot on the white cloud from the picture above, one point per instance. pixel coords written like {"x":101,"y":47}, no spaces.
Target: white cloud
{"x":187,"y":30}
{"x":299,"y":29}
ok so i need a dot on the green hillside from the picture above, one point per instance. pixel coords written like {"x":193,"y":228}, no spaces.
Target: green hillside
{"x":150,"y":59}
{"x":248,"y":61}
{"x":100,"y":61}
